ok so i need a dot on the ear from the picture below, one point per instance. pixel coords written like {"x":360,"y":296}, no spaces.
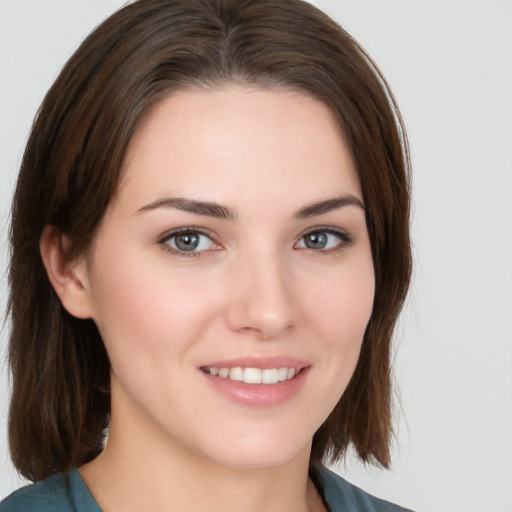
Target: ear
{"x":68,"y":278}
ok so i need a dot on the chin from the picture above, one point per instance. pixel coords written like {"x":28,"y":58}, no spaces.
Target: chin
{"x":256,"y":453}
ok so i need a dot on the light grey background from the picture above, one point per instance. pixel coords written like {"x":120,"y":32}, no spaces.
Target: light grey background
{"x":449,"y":63}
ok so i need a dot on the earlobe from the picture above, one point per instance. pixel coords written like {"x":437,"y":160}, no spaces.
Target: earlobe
{"x":68,"y":277}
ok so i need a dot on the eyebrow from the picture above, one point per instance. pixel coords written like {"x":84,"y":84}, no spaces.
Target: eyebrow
{"x":218,"y":211}
{"x":207,"y":208}
{"x":328,"y":205}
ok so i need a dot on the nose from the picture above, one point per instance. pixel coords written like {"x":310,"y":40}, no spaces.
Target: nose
{"x":261,"y":300}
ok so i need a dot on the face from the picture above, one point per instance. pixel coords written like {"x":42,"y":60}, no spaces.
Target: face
{"x":232,"y":277}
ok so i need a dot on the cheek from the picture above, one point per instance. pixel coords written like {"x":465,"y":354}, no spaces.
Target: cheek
{"x":342,"y":309}
{"x":344,"y":304}
{"x":144,"y":310}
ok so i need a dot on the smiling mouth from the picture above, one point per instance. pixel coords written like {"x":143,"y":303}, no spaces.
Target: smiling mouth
{"x":253,"y":375}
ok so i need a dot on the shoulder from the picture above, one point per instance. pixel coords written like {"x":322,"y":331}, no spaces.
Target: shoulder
{"x":48,"y":495}
{"x":342,"y":495}
{"x":63,"y":492}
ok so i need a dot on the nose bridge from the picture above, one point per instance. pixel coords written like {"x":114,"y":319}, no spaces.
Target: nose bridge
{"x":264,"y":301}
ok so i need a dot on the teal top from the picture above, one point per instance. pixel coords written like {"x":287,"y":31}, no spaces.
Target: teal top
{"x":67,"y":492}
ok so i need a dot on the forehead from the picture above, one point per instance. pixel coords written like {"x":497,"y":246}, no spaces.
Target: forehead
{"x":236,"y":140}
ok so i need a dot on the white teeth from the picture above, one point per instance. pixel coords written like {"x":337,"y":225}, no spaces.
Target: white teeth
{"x":253,"y":375}
{"x":236,"y":374}
{"x":282,"y":374}
{"x":269,"y":376}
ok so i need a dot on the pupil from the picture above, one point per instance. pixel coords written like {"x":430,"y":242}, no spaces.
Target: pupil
{"x":316,"y":240}
{"x":187,"y":242}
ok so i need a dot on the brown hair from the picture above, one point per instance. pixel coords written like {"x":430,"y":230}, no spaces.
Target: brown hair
{"x":60,"y":370}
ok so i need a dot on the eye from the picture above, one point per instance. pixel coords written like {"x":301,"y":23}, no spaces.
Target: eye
{"x":324,"y":240}
{"x":188,"y":240}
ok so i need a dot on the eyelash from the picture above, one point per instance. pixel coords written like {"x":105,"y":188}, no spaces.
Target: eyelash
{"x":344,"y":238}
{"x":166,"y":237}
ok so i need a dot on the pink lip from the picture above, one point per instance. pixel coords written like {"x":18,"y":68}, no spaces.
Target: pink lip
{"x":258,"y":395}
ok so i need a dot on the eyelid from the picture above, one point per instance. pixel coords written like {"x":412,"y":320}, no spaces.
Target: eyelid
{"x":343,"y":235}
{"x":183,"y":229}
{"x":345,"y":238}
{"x":165,"y":237}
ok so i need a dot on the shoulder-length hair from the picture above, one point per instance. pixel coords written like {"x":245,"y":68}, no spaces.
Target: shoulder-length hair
{"x":60,"y":402}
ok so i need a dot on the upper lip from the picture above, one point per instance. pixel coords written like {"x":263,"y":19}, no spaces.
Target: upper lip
{"x":259,"y":362}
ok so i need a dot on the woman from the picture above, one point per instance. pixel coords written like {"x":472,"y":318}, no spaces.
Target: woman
{"x":209,"y":252}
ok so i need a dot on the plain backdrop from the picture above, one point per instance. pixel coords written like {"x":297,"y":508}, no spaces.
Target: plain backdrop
{"x":449,"y":63}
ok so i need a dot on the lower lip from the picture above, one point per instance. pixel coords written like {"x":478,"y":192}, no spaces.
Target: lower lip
{"x":258,"y":395}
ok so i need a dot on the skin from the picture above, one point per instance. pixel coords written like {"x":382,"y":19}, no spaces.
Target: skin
{"x":254,"y":288}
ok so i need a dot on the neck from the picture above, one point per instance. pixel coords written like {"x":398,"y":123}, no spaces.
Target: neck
{"x":137,"y":472}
